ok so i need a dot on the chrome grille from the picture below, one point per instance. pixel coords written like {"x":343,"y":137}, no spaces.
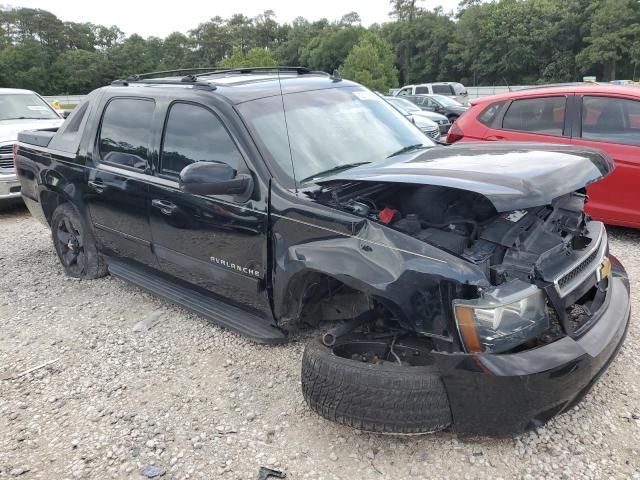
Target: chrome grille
{"x":6,"y":163}
{"x":6,"y":150}
{"x":577,"y":271}
{"x":6,"y":157}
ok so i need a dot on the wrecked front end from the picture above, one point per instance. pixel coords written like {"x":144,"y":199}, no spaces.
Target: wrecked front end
{"x":520,"y":309}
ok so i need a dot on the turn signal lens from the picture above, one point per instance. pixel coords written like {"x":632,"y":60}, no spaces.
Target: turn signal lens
{"x":464,"y":316}
{"x":605,"y":268}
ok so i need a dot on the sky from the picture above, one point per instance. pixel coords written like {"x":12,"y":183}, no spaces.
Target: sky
{"x":161,"y":17}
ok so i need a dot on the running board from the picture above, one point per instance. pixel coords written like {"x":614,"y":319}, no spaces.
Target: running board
{"x":229,"y":316}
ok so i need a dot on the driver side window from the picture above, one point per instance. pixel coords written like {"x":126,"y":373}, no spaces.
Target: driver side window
{"x":195,"y":134}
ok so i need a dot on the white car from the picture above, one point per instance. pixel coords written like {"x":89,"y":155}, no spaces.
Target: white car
{"x":19,"y":110}
{"x":448,"y":89}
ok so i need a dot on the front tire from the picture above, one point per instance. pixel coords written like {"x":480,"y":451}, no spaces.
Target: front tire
{"x":380,"y":397}
{"x":75,"y":244}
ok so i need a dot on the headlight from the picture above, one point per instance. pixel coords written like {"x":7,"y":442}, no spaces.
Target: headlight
{"x":502,"y":318}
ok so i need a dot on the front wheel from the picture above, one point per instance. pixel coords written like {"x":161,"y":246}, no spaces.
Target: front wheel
{"x":75,"y":244}
{"x":375,"y":385}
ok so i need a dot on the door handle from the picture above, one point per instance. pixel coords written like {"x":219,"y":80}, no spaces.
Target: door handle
{"x":97,"y":185}
{"x":495,"y":137}
{"x":167,"y":208}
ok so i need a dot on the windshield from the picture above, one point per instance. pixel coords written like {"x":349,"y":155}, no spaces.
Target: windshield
{"x":328,"y":129}
{"x":404,"y":105}
{"x":24,"y":105}
{"x":446,"y":101}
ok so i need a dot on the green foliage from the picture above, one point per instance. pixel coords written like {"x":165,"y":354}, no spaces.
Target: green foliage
{"x":370,"y":63}
{"x":256,"y":57}
{"x":483,"y":43}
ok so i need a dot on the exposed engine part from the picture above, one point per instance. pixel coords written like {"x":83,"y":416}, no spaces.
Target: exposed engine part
{"x":330,"y":337}
{"x":515,"y":244}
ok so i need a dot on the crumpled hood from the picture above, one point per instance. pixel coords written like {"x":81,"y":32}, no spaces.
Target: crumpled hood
{"x":511,"y":175}
{"x":9,"y":129}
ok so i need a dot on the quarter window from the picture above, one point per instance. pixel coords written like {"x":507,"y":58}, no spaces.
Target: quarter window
{"x":125,"y":132}
{"x":536,"y":115}
{"x":609,"y":119}
{"x":195,"y":134}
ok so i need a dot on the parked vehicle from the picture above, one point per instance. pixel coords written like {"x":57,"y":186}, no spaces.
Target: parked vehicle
{"x":594,"y":115}
{"x":427,"y":126}
{"x":19,"y":110}
{"x":446,"y":106}
{"x":442,"y":122}
{"x":453,"y":287}
{"x":448,"y":89}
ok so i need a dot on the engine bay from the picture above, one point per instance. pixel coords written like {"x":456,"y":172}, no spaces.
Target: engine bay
{"x":515,"y":244}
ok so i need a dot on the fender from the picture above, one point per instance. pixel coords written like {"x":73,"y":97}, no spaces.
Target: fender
{"x":364,"y":255}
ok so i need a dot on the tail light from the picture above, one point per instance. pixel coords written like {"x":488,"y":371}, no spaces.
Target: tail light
{"x":14,"y":150}
{"x":455,"y":133}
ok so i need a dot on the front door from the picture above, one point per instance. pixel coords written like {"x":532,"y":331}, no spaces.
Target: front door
{"x":216,"y":242}
{"x":117,"y":192}
{"x":612,"y":124}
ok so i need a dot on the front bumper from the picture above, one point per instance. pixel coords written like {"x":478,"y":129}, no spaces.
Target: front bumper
{"x":9,"y":187}
{"x":503,"y":395}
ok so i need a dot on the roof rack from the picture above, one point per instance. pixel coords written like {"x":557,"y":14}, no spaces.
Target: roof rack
{"x":194,"y":78}
{"x":184,"y":81}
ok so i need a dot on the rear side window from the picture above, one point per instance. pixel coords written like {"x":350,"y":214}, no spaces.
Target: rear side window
{"x":443,"y":90}
{"x":543,"y":115}
{"x":608,"y":119}
{"x":489,"y":114}
{"x":195,"y":134}
{"x":420,"y":90}
{"x":125,"y":132}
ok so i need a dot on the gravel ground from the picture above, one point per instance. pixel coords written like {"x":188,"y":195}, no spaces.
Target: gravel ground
{"x":200,"y":402}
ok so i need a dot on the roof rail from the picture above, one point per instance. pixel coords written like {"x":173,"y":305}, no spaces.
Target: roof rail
{"x":185,"y":81}
{"x":282,"y":68}
{"x":140,"y":76}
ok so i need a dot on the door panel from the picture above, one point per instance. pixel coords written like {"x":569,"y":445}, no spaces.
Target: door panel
{"x":215,"y":242}
{"x":605,"y":120}
{"x":117,"y":190}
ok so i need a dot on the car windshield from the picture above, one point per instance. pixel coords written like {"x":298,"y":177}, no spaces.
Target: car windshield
{"x":446,"y":101}
{"x":327,"y":130}
{"x":14,"y":106}
{"x":404,"y":105}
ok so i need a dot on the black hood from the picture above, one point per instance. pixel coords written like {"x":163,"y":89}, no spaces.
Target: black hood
{"x":511,"y":175}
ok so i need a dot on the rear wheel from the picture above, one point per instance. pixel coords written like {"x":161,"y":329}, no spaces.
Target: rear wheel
{"x":75,"y":245}
{"x":376,"y":385}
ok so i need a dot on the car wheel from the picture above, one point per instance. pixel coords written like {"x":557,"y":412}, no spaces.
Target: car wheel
{"x":362,"y":383}
{"x":75,"y":244}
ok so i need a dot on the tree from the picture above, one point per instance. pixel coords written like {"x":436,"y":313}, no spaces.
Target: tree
{"x":613,"y":27}
{"x":370,"y":63}
{"x":328,"y":50}
{"x":76,"y":72}
{"x":256,"y":57}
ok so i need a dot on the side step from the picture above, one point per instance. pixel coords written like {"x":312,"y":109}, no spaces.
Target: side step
{"x":229,"y":316}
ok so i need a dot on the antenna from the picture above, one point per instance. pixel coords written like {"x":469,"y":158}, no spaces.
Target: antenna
{"x":286,"y":126}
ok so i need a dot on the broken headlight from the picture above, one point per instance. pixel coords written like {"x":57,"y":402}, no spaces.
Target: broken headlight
{"x":502,"y":318}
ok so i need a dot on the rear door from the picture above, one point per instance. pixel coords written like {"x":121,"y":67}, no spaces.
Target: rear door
{"x":216,"y":242}
{"x":119,"y":169}
{"x":533,"y":119}
{"x":612,"y":123}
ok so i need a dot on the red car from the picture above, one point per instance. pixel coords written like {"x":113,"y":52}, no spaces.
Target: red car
{"x":601,"y":116}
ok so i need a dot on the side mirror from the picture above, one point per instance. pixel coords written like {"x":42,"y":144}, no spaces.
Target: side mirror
{"x":66,"y":113}
{"x":214,"y":178}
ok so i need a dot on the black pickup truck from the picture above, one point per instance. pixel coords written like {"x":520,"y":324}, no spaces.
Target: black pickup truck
{"x":453,"y":286}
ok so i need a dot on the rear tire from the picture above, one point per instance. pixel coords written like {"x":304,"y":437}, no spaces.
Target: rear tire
{"x":75,"y":244}
{"x":381,"y":398}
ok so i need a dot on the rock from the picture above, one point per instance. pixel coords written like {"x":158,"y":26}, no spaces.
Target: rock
{"x":333,"y":457}
{"x":152,"y":471}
